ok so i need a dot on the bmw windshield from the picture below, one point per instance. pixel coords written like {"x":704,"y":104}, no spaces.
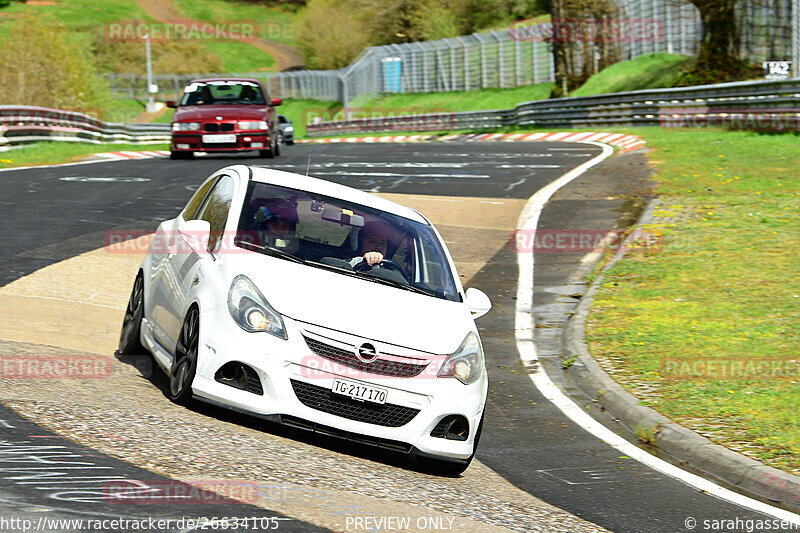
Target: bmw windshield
{"x":333,"y":234}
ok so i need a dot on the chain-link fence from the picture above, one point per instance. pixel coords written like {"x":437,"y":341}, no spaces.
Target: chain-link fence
{"x":522,"y":55}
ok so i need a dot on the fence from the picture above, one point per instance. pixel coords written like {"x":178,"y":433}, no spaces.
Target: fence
{"x":777,"y":102}
{"x":26,"y":124}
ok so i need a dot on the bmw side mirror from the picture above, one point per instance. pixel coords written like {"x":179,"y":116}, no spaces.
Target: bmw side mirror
{"x":171,"y":104}
{"x":478,"y":303}
{"x":276,"y":102}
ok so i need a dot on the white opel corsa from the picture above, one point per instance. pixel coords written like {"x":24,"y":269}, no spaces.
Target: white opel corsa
{"x":317,"y":306}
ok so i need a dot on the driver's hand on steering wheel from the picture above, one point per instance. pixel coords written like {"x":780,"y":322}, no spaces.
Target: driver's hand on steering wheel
{"x":373,"y":258}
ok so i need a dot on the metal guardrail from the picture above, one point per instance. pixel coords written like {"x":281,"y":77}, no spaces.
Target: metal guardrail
{"x":699,"y":105}
{"x":26,"y":124}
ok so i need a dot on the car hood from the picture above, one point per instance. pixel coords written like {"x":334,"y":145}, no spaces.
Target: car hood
{"x":227,"y":112}
{"x":359,"y":307}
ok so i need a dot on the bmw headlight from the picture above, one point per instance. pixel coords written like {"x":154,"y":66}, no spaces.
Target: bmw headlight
{"x":253,"y":125}
{"x":185,"y":126}
{"x":251,"y":311}
{"x":466,"y":363}
{"x":289,"y":129}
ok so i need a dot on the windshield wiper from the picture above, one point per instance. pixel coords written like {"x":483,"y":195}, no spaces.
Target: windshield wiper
{"x":330,"y":267}
{"x":269,"y":250}
{"x":397,"y":284}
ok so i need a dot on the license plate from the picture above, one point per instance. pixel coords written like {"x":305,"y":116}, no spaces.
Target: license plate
{"x":212,"y":139}
{"x":359,"y":391}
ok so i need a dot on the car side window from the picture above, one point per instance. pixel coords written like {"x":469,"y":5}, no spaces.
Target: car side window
{"x":190,"y":210}
{"x":215,"y":211}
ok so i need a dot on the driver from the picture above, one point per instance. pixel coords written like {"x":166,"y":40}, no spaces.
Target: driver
{"x":373,"y":243}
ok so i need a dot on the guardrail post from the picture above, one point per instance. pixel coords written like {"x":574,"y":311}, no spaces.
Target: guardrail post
{"x":796,"y":38}
{"x":466,"y":64}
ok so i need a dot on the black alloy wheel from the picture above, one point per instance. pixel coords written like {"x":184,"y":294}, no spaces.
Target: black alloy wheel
{"x":185,"y":364}
{"x":129,"y":343}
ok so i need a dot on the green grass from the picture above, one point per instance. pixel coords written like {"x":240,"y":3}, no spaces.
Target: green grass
{"x":122,"y":111}
{"x":78,"y":14}
{"x":240,"y":57}
{"x":273,"y":24}
{"x":454,"y":100}
{"x":723,"y":286}
{"x":652,"y":71}
{"x":50,"y":153}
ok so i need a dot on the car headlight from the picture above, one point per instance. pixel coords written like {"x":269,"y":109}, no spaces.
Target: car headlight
{"x":253,"y":125}
{"x":185,"y":126}
{"x":289,"y":129}
{"x":466,"y":363}
{"x":251,"y":311}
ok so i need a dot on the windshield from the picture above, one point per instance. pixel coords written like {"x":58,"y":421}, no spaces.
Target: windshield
{"x":222,"y":92}
{"x":330,"y":233}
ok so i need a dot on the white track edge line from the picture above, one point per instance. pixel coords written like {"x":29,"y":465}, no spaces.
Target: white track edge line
{"x":524,"y":334}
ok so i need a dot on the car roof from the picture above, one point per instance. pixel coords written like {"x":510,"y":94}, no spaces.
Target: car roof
{"x":327,"y":188}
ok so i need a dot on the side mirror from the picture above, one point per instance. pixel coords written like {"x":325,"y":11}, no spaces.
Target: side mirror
{"x":196,"y":234}
{"x":171,"y":104}
{"x":275,"y":102}
{"x":291,"y":122}
{"x":478,"y":303}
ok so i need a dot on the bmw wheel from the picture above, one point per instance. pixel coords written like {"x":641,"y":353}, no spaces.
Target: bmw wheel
{"x":185,"y":364}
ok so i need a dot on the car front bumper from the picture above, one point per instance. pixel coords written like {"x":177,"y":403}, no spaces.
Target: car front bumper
{"x":297,"y":383}
{"x":193,"y":142}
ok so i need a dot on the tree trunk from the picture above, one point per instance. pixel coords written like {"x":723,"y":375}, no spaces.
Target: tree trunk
{"x":559,"y":45}
{"x":717,"y":50}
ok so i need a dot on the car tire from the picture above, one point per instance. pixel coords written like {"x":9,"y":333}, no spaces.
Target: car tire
{"x":453,"y":469}
{"x":268,"y":154}
{"x":277,"y":148}
{"x":184,"y":365}
{"x":289,"y":142}
{"x":181,"y":155}
{"x":130,"y":336}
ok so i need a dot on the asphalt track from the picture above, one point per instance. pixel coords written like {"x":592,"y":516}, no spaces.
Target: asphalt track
{"x":52,"y":214}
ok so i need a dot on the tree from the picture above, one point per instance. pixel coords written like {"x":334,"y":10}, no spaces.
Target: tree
{"x":43,"y":68}
{"x":717,"y":49}
{"x":328,"y":35}
{"x":580,"y":46}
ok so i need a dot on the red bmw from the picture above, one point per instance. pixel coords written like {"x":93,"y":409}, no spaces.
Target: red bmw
{"x":225,"y":115}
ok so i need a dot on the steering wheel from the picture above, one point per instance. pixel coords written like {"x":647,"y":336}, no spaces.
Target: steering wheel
{"x":386,"y":263}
